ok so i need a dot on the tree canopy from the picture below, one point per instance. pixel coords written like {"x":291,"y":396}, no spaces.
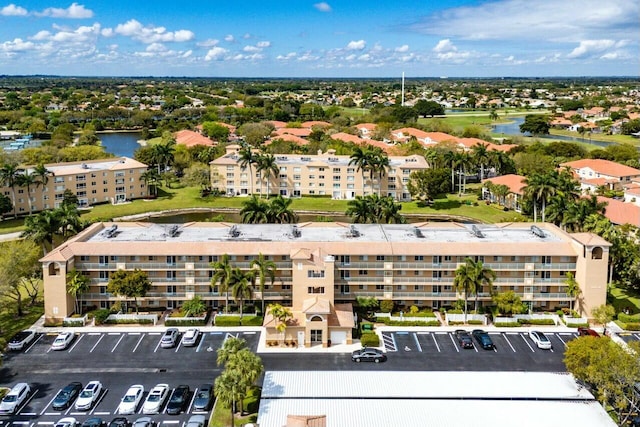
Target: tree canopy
{"x":130,"y":284}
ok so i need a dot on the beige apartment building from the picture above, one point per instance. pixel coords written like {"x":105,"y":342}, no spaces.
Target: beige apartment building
{"x":323,"y":267}
{"x":324,"y":174}
{"x":92,"y":181}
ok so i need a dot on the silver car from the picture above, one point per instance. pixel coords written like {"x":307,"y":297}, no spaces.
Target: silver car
{"x":169,"y":338}
{"x":14,"y":399}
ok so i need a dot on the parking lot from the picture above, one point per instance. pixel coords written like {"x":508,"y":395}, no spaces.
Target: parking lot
{"x":116,"y":359}
{"x":629,"y":336}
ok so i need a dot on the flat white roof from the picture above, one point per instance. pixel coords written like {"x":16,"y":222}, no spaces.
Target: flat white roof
{"x":443,"y":399}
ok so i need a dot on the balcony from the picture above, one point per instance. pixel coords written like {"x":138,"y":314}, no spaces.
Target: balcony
{"x":361,"y":265}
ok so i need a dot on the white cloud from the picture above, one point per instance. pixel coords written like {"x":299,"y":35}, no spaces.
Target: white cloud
{"x":85,"y":35}
{"x":591,"y":48}
{"x":403,"y":48}
{"x":208,"y":43}
{"x":263,"y":44}
{"x":75,"y":11}
{"x":356,"y":45}
{"x":156,"y":47}
{"x":288,"y":56}
{"x":229,"y":38}
{"x":17,"y":45}
{"x":187,"y":54}
{"x":13,"y":10}
{"x":215,"y":54}
{"x":246,"y":36}
{"x":445,"y":45}
{"x":107,"y":32}
{"x":251,"y":49}
{"x":148,"y":35}
{"x":322,"y":7}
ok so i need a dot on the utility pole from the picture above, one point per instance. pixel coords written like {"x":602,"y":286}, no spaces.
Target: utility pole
{"x":402,"y":103}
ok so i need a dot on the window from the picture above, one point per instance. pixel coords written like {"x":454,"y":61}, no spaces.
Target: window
{"x":418,"y":258}
{"x":351,"y":170}
{"x":336,"y":170}
{"x":379,"y":257}
{"x":315,"y":274}
{"x":286,"y":287}
{"x":336,"y":177}
{"x":171,"y":260}
{"x":103,"y":276}
{"x":296,"y":177}
{"x":379,"y":287}
{"x":103,"y":260}
{"x":363,"y":272}
{"x":315,"y":290}
{"x":171,"y":275}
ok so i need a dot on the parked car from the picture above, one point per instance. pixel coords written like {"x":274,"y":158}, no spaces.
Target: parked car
{"x":66,"y":396}
{"x":178,"y":400}
{"x":483,"y":339}
{"x":119,"y":422}
{"x":587,"y":332}
{"x":190,"y":337}
{"x":144,"y":422}
{"x":196,"y":421}
{"x":131,"y":399}
{"x":368,"y":354}
{"x":464,"y":339}
{"x":12,"y":401}
{"x":94,"y":422}
{"x":156,"y":398}
{"x":540,"y":339}
{"x":67,"y":422}
{"x":169,"y":338}
{"x":22,"y":339}
{"x":89,"y":396}
{"x":204,"y":398}
{"x":62,"y":341}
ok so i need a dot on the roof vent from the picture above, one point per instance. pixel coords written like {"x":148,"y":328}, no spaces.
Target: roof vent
{"x":418,"y":233}
{"x":111,"y":231}
{"x":476,"y":231}
{"x":233,"y":231}
{"x":538,"y":231}
{"x":174,"y":230}
{"x":295,"y":231}
{"x":85,"y":166}
{"x":353,"y":231}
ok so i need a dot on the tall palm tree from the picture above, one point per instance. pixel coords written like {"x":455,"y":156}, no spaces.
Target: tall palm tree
{"x":42,"y":227}
{"x":360,"y":158}
{"x":540,"y":188}
{"x":279,"y":211}
{"x":69,"y":218}
{"x":483,"y":275}
{"x":580,"y":210}
{"x":389,"y":211}
{"x":462,"y":161}
{"x":247,"y":159}
{"x":226,"y":390}
{"x":77,"y":284}
{"x":573,"y":288}
{"x":242,"y":284}
{"x":268,"y":167}
{"x":9,"y":175}
{"x":265,"y":268}
{"x":254,"y":211}
{"x":359,"y":209}
{"x":465,"y":282}
{"x":230,"y":347}
{"x":151,"y":177}
{"x":27,"y":179}
{"x":379,"y":165}
{"x":480,"y":155}
{"x":222,"y":276}
{"x":449,"y":158}
{"x":282,"y":315}
{"x":163,"y":152}
{"x":42,"y":174}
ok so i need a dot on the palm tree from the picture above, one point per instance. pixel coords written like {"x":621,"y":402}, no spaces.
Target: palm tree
{"x":389,"y":211}
{"x":361,"y":159}
{"x":282,"y":315}
{"x":163,"y":152}
{"x":493,"y":115}
{"x":249,"y":367}
{"x":483,"y":275}
{"x":280,"y":212}
{"x":248,"y":158}
{"x":222,"y":276}
{"x":230,"y":347}
{"x":480,"y":155}
{"x":464,"y":281}
{"x":225,"y":388}
{"x":450,"y":160}
{"x":42,"y":227}
{"x":77,"y":284}
{"x":267,"y":167}
{"x":378,"y":164}
{"x":254,"y":211}
{"x":242,"y":284}
{"x":151,"y":177}
{"x":461,"y":161}
{"x":573,"y":288}
{"x":579,"y":211}
{"x":432,"y":157}
{"x":359,"y":209}
{"x":540,"y":188}
{"x":265,"y":267}
{"x":9,"y":175}
{"x":69,"y":219}
{"x":42,"y":173}
{"x":27,"y":179}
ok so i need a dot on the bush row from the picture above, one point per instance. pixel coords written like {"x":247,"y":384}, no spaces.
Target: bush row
{"x":390,"y":322}
{"x":184,"y":322}
{"x":370,"y":339}
{"x":222,"y":320}
{"x":631,"y":326}
{"x":507,"y":324}
{"x":629,"y":318}
{"x":128,"y":322}
{"x":73,"y":322}
{"x":536,"y":322}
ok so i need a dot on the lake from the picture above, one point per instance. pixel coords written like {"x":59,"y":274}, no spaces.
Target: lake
{"x":121,"y":144}
{"x":513,"y":128}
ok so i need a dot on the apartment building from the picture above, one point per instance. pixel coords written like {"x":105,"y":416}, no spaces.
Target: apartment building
{"x":92,"y":181}
{"x":324,"y":174}
{"x":323,"y":267}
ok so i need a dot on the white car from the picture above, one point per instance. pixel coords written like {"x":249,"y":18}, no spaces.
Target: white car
{"x":156,"y":398}
{"x":131,"y":400}
{"x":16,"y":397}
{"x":62,"y":341}
{"x":89,"y":396}
{"x":20,"y":340}
{"x":540,"y":339}
{"x":67,"y":422}
{"x":190,"y":337}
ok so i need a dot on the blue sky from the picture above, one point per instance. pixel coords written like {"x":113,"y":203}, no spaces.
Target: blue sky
{"x":298,"y":38}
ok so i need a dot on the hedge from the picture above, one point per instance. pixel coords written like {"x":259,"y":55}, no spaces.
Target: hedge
{"x":252,"y":321}
{"x":418,"y":314}
{"x":100,"y":316}
{"x":74,"y":322}
{"x":370,"y":339}
{"x":182,"y":322}
{"x":475,"y":322}
{"x":129,"y":322}
{"x":577,"y":325}
{"x":222,"y":320}
{"x":629,"y":318}
{"x":507,"y":324}
{"x":390,"y":322}
{"x":536,"y":322}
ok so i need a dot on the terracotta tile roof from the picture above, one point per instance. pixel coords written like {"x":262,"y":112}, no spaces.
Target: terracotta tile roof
{"x":191,"y":138}
{"x":604,"y":167}
{"x":513,"y":181}
{"x":347,"y":137}
{"x":598,"y":181}
{"x":620,"y":212}
{"x":312,"y":123}
{"x":294,"y":131}
{"x":407,"y":132}
{"x":277,"y":124}
{"x":289,"y":138}
{"x":368,"y":126}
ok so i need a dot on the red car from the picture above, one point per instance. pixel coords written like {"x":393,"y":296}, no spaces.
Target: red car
{"x":587,"y":332}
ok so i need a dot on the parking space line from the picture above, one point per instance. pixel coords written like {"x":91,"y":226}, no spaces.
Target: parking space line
{"x":509,"y":342}
{"x":22,"y":423}
{"x":45,"y":423}
{"x":30,"y":414}
{"x":636,"y":336}
{"x":76,"y":343}
{"x":34,"y":343}
{"x":561,"y":340}
{"x":54,"y":396}
{"x":157,"y":345}
{"x":97,"y":402}
{"x":78,"y":413}
{"x":527,"y":343}
{"x":51,"y":413}
{"x":436,"y":342}
{"x":415,"y":337}
{"x":134,"y":333}
{"x":195,"y":392}
{"x":102,"y":413}
{"x":171,"y":422}
{"x":96,"y":344}
{"x":138,"y":343}
{"x":202,"y":336}
{"x":115,"y":346}
{"x":93,"y":333}
{"x":249,"y":333}
{"x":154,"y":333}
{"x":454,"y":343}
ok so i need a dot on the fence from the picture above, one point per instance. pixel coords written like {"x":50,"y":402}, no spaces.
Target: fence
{"x":459,"y":318}
{"x":132,"y":318}
{"x":75,"y":321}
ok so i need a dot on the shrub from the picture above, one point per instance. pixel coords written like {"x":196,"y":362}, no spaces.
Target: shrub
{"x":506,"y":324}
{"x":632,"y":326}
{"x":100,"y":316}
{"x":184,"y":322}
{"x":73,"y":322}
{"x":386,"y":306}
{"x":628,"y":318}
{"x":369,"y":339}
{"x":390,"y":322}
{"x":252,"y":321}
{"x":536,"y":322}
{"x":222,"y":320}
{"x":475,"y":322}
{"x":128,"y":322}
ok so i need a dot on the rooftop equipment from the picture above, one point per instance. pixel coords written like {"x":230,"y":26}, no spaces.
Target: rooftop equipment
{"x":477,"y":232}
{"x":538,"y":231}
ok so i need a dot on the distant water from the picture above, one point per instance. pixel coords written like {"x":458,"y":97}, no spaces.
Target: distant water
{"x":121,"y":144}
{"x":513,"y":128}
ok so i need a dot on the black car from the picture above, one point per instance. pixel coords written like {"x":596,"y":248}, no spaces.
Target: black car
{"x":119,"y":422}
{"x":178,"y":400}
{"x":368,"y":354}
{"x":94,"y":422}
{"x":483,"y":339}
{"x":204,"y":398}
{"x":66,"y":396}
{"x":464,"y":339}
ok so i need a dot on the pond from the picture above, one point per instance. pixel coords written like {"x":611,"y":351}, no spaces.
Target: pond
{"x":121,"y":144}
{"x":513,"y":128}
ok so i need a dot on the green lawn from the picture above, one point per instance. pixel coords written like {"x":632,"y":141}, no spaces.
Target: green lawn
{"x":619,"y":139}
{"x":622,"y":298}
{"x":10,"y":323}
{"x":221,"y":416}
